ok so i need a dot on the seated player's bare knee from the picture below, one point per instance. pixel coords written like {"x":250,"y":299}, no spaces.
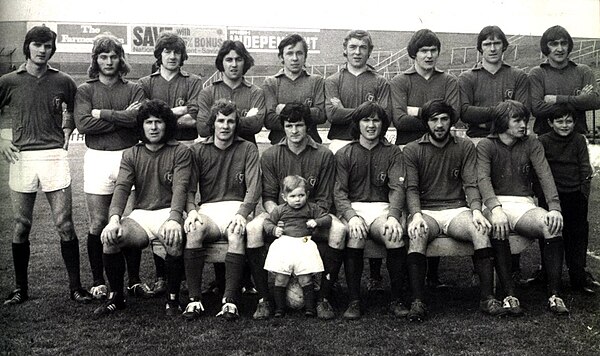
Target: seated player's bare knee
{"x":337,"y":234}
{"x":255,"y":232}
{"x":236,"y":243}
{"x":418,"y":244}
{"x":353,"y":242}
{"x":133,"y":234}
{"x":175,"y":250}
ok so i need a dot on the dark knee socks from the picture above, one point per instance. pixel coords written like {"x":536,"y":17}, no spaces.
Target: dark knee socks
{"x":114,"y":263}
{"x":194,"y":266}
{"x":553,"y":261}
{"x":133,"y":258}
{"x":21,"y":253}
{"x":256,"y":260}
{"x":485,"y":270}
{"x":161,"y":268}
{"x":279,"y":297}
{"x":396,"y":262}
{"x":332,"y":262}
{"x":234,"y":271}
{"x":353,"y":266}
{"x":502,"y":260}
{"x":94,"y":248}
{"x":308,"y":293}
{"x":417,"y":267}
{"x":70,"y":254}
{"x":174,"y":266}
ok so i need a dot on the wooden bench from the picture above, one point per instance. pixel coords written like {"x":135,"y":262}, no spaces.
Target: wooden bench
{"x":442,"y":246}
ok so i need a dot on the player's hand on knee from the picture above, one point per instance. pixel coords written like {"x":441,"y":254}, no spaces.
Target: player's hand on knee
{"x":111,"y":234}
{"x":418,"y":227}
{"x":193,"y":218}
{"x":554,"y":221}
{"x":237,"y":225}
{"x":500,"y":227}
{"x":392,"y":230}
{"x":9,"y":151}
{"x":481,"y":223}
{"x":357,"y":228}
{"x":171,"y":232}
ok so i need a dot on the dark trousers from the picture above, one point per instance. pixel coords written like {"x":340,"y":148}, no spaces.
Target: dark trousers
{"x":575,"y":234}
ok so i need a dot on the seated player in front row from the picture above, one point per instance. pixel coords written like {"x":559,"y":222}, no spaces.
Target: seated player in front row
{"x":506,"y":162}
{"x":443,"y":198}
{"x":369,"y":197}
{"x":160,"y":169}
{"x":227,"y":176}
{"x":294,"y":251}
{"x":567,"y":154}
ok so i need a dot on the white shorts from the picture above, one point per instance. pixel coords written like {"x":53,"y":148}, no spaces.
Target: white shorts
{"x":45,"y":169}
{"x":221,"y":213}
{"x":151,"y":221}
{"x":335,"y":145}
{"x":515,"y":207}
{"x":100,"y":171}
{"x":444,"y":217}
{"x":294,"y":255}
{"x":371,"y":211}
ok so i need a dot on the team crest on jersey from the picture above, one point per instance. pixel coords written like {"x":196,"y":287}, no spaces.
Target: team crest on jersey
{"x":525,"y":169}
{"x":57,"y":102}
{"x":180,"y":102}
{"x":509,"y":94}
{"x":169,"y":177}
{"x":243,"y":113}
{"x":455,"y":173}
{"x":381,"y":177}
{"x":240,"y":178}
{"x":370,"y":97}
{"x":308,"y":102}
{"x":312,"y":181}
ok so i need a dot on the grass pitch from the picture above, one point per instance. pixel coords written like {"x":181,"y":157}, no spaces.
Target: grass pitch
{"x":49,"y":323}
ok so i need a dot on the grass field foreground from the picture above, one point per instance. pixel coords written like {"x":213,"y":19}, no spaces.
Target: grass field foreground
{"x":51,"y":324}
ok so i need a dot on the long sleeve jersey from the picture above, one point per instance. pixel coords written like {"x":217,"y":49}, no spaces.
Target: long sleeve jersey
{"x":411,"y":89}
{"x":566,"y":84}
{"x":116,"y":127}
{"x":481,"y":91}
{"x":181,"y":90}
{"x":508,"y":170}
{"x":245,"y":96}
{"x":229,"y":174}
{"x":352,"y":91}
{"x":308,"y":89}
{"x":363,"y":175}
{"x":569,"y":161}
{"x":294,"y":220}
{"x":35,"y":105}
{"x":161,"y":179}
{"x":315,"y":164}
{"x":440,"y":178}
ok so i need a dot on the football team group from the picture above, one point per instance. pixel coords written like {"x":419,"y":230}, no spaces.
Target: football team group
{"x":176,"y":167}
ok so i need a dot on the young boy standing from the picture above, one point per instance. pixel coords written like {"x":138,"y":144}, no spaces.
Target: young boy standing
{"x":294,"y":251}
{"x":567,"y":154}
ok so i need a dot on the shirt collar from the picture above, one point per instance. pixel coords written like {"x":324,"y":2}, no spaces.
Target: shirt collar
{"x":244,"y":82}
{"x":479,"y":66}
{"x":210,"y":140}
{"x":370,"y":68}
{"x":281,"y":73}
{"x":97,"y":79}
{"x":23,"y":68}
{"x":546,"y":63}
{"x":182,"y":72}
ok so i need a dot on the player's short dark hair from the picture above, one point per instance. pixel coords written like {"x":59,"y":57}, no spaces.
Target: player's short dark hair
{"x":361,"y":35}
{"x":170,"y":41}
{"x":491,"y":32}
{"x":504,"y":111}
{"x":223,"y":107}
{"x":294,"y":112}
{"x":368,"y":109}
{"x":422,"y":38}
{"x":435,"y":107}
{"x":561,"y":110}
{"x":552,"y":34}
{"x":291,"y":40}
{"x":161,"y":110}
{"x":39,"y":34}
{"x":292,"y":182}
{"x":104,"y":43}
{"x":240,"y":49}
